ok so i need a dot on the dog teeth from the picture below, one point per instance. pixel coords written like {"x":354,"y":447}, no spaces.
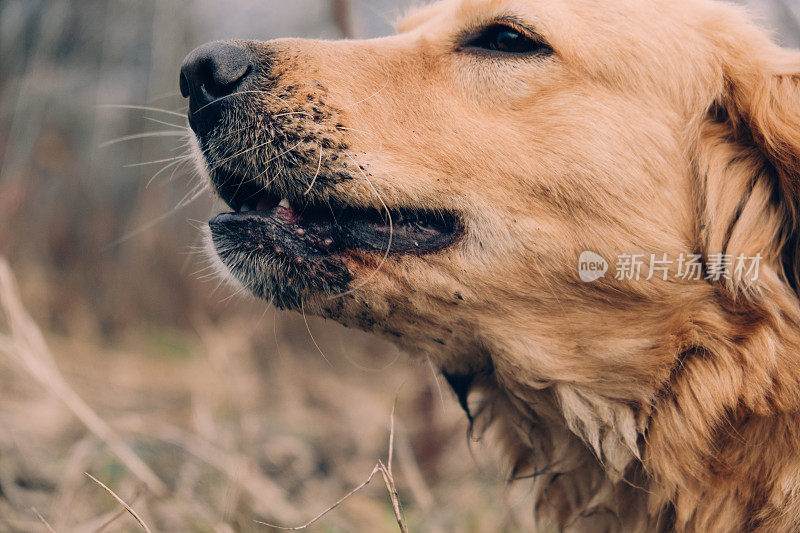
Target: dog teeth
{"x":285,"y":204}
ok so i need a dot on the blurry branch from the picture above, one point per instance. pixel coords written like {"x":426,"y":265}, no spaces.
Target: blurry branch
{"x":388,"y":479}
{"x":122,"y":502}
{"x":342,"y":17}
{"x":26,"y":345}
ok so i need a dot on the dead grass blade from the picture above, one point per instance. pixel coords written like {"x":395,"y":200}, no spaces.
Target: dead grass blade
{"x":324,"y":513}
{"x":110,"y":521}
{"x":388,"y":479}
{"x":42,"y":520}
{"x":27,"y":346}
{"x":122,"y":502}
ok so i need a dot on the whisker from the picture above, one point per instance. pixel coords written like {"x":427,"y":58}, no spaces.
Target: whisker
{"x":176,"y":164}
{"x":436,"y":379}
{"x":237,"y":293}
{"x":391,"y":233}
{"x":179,"y":126}
{"x":162,"y":170}
{"x":293,"y":113}
{"x":373,"y":95}
{"x":145,"y":163}
{"x":319,"y":167}
{"x":177,"y":168}
{"x":237,"y":154}
{"x":254,"y":178}
{"x":163,"y":96}
{"x":118,"y":140}
{"x":257,"y":176}
{"x":142,"y":108}
{"x":188,"y":199}
{"x":364,"y":368}
{"x":187,"y":144}
{"x":192,"y":195}
{"x":205,"y":271}
{"x":376,"y":93}
{"x":262,"y":93}
{"x":225,"y":138}
{"x":308,"y":328}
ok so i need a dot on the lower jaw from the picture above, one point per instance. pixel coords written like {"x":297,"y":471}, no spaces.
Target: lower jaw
{"x":291,"y":255}
{"x":284,"y":281}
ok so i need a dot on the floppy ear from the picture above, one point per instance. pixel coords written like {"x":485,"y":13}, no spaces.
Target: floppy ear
{"x":750,"y":155}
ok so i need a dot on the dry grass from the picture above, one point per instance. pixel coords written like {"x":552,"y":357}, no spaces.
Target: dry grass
{"x":235,"y":435}
{"x":122,"y":502}
{"x":388,"y":479}
{"x":26,"y":343}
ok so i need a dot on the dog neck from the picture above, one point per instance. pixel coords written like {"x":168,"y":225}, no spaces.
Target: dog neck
{"x":580,"y":452}
{"x":714,"y":442}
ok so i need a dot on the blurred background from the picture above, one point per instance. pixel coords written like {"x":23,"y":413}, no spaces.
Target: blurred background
{"x":202,"y":410}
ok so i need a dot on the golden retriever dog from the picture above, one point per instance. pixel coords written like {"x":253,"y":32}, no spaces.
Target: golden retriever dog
{"x":450,"y":188}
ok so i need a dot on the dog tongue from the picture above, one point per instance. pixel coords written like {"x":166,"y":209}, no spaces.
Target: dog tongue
{"x":284,"y":210}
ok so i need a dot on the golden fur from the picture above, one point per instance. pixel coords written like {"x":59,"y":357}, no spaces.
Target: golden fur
{"x":656,"y":127}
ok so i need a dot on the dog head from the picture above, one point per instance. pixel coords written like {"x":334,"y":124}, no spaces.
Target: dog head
{"x":441,"y":186}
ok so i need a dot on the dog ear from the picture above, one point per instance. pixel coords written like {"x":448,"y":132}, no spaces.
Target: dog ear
{"x":743,"y":361}
{"x":750,"y":155}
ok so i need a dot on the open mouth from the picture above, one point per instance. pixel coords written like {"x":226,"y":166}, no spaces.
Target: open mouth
{"x":268,"y":224}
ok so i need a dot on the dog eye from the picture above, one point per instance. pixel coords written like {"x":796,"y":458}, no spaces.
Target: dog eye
{"x":505,"y":39}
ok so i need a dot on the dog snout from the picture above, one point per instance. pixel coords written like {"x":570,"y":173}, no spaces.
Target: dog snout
{"x":210,"y":72}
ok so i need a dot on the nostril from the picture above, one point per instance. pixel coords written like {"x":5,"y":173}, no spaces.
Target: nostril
{"x":209,"y":72}
{"x":216,"y":66}
{"x":221,"y":83}
{"x":225,"y":73}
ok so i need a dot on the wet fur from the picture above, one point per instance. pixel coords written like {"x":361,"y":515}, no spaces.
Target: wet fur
{"x":660,"y":127}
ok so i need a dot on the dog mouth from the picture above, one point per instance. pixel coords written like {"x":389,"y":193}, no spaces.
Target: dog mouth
{"x":303,"y":231}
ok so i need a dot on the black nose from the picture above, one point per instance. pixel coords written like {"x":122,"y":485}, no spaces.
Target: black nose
{"x":210,"y":72}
